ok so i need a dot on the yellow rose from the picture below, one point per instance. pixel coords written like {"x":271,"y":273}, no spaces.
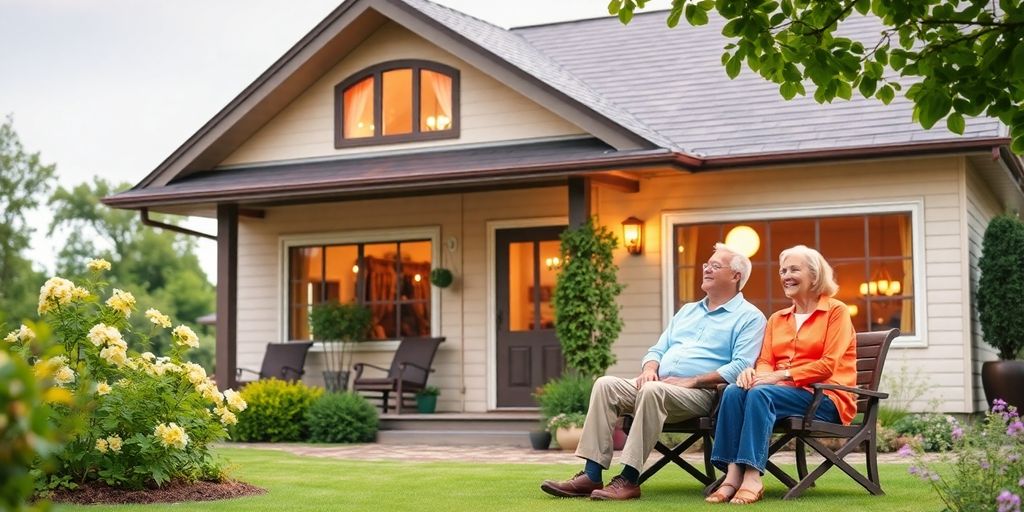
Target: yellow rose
{"x":98,"y":265}
{"x":114,"y":442}
{"x":56,"y":291}
{"x":235,"y":400}
{"x":102,"y":388}
{"x":101,"y":445}
{"x":121,"y":301}
{"x":157,"y":318}
{"x":171,"y":435}
{"x":64,"y":375}
{"x":184,"y":336}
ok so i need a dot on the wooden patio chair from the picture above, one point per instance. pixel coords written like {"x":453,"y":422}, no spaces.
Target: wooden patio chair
{"x":872,"y":348}
{"x":285,"y":361}
{"x":699,"y":429}
{"x":407,"y":375}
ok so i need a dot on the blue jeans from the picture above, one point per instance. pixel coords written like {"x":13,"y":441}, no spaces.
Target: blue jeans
{"x":746,"y":418}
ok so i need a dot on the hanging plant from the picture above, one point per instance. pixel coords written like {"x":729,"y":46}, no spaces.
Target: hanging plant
{"x":441,"y":277}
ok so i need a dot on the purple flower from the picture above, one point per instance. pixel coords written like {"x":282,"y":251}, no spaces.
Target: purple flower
{"x":905,"y":451}
{"x":984,"y":464}
{"x":1015,"y":428}
{"x":958,"y":433}
{"x":1008,"y":502}
{"x":998,"y":405}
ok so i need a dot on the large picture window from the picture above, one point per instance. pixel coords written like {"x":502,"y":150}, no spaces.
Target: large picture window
{"x":392,"y":278}
{"x":397,"y":101}
{"x":872,"y":255}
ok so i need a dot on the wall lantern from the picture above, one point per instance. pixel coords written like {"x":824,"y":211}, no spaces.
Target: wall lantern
{"x":633,"y":235}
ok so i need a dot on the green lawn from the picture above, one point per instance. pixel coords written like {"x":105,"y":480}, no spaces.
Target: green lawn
{"x":305,"y":483}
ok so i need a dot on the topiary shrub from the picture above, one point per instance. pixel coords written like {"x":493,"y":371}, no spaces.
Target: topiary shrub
{"x":1001,"y":286}
{"x":342,"y":418}
{"x":276,"y":412}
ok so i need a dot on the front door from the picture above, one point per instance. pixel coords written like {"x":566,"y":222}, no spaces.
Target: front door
{"x":528,"y":351}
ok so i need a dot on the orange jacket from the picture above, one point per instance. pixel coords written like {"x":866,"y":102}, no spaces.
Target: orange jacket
{"x":824,"y":350}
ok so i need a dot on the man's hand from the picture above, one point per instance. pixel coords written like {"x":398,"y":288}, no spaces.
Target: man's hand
{"x":683,"y":382}
{"x":650,"y":373}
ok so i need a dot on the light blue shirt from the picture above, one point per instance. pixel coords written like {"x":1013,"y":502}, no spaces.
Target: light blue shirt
{"x":699,"y":341}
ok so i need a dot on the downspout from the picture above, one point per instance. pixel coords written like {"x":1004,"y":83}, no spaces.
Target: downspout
{"x":144,"y":217}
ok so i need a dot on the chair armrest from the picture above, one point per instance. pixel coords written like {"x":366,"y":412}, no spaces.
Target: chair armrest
{"x":286,"y":370}
{"x":859,"y":391}
{"x":238,"y":371}
{"x":402,"y":367}
{"x":358,"y":367}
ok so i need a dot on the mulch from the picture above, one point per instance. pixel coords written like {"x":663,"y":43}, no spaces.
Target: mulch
{"x":173,"y":492}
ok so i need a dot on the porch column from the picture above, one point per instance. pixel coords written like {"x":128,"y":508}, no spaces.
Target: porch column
{"x":227,"y":295}
{"x":579,"y":201}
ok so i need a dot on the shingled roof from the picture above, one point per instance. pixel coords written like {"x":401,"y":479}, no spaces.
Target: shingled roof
{"x":673,"y":81}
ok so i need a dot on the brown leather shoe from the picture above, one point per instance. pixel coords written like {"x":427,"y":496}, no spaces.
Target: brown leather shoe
{"x":618,"y":489}
{"x":579,"y":486}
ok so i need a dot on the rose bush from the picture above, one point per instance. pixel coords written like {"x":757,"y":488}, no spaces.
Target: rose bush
{"x":136,"y":420}
{"x":985,"y":469}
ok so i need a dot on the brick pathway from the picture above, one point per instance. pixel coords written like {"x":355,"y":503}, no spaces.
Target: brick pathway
{"x":502,"y":455}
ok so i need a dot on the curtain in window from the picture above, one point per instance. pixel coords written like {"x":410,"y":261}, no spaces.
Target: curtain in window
{"x":359,"y":109}
{"x":907,"y":309}
{"x":440,"y":87}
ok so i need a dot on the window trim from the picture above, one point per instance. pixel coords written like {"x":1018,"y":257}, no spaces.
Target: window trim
{"x":286,"y":242}
{"x":914,"y":208}
{"x":377,"y":71}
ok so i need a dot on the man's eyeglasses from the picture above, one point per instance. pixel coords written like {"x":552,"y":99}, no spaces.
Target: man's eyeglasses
{"x":713,"y":266}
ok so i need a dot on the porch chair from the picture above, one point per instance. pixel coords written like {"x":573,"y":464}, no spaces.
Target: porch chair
{"x":285,"y":361}
{"x":872,"y":348}
{"x":407,"y":375}
{"x":699,"y":429}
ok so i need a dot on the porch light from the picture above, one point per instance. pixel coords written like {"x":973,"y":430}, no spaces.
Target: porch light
{"x":744,"y":240}
{"x":633,"y":235}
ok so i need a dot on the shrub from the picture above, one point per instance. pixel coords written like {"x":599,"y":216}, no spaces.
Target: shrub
{"x":934,"y":430}
{"x":566,"y":420}
{"x":276,"y":412}
{"x":567,"y":394}
{"x":133,"y":420}
{"x":1001,"y":285}
{"x":983,"y":472}
{"x":342,"y":418}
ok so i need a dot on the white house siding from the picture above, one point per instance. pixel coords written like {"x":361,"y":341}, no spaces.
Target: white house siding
{"x":981,"y":205}
{"x":461,"y":361}
{"x":936,"y":182}
{"x":490,"y":111}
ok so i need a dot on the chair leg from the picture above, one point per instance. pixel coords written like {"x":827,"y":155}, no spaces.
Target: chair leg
{"x":384,"y":403}
{"x":871,"y":458}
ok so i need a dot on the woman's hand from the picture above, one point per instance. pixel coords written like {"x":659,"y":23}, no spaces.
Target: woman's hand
{"x":769,"y":378}
{"x":745,"y":379}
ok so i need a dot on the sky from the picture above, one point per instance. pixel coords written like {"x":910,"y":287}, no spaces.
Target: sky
{"x":112,"y":87}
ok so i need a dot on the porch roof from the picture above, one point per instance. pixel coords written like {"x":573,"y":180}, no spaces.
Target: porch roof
{"x":475,"y":168}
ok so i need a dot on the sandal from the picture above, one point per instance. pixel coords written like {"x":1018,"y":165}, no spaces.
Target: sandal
{"x":720,"y":496}
{"x":746,"y":497}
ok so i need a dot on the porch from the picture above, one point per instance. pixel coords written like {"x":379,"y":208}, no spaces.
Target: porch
{"x":508,"y":429}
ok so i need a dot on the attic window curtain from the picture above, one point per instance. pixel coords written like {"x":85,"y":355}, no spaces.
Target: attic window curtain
{"x":440,"y":92}
{"x":359,"y":109}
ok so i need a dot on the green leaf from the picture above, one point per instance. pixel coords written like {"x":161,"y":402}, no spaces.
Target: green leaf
{"x":700,"y":17}
{"x":867,"y":86}
{"x":1018,"y":145}
{"x":613,"y":7}
{"x":898,"y":60}
{"x":625,"y":16}
{"x":886,"y":94}
{"x":733,"y":28}
{"x":862,"y":6}
{"x":788,"y":90}
{"x":732,"y":68}
{"x":673,"y":17}
{"x":955,"y":123}
{"x":843,"y":90}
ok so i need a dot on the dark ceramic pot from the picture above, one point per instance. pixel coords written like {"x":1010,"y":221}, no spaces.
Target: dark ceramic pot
{"x":1004,"y":379}
{"x":540,"y":439}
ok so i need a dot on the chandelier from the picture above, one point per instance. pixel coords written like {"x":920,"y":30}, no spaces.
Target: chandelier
{"x":882,"y":284}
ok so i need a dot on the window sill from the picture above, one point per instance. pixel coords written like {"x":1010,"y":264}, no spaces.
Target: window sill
{"x":366,"y":346}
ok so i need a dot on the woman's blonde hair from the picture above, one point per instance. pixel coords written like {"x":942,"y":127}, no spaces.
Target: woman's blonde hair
{"x":823,"y":281}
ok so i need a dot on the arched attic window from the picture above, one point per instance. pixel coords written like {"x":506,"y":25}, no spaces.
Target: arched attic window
{"x":397,"y":101}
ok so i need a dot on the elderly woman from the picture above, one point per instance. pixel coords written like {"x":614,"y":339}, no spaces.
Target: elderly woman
{"x":811,"y":341}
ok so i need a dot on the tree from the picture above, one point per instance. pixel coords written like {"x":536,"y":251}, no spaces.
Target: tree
{"x":586,"y":315}
{"x":24,"y":182}
{"x":966,"y":58}
{"x":161,"y":267}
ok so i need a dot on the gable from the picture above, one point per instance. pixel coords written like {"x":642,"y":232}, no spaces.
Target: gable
{"x":490,"y":111}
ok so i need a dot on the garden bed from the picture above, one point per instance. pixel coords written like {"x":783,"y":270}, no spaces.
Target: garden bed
{"x":174,"y":492}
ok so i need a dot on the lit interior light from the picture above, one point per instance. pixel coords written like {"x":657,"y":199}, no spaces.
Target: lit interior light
{"x":743,"y":239}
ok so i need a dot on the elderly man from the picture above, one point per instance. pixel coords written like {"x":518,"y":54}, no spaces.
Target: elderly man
{"x":706,"y":343}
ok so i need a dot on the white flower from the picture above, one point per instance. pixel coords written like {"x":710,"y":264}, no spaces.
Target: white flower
{"x":101,"y":445}
{"x":98,"y":265}
{"x":196,"y":374}
{"x":22,"y":335}
{"x":114,"y":442}
{"x":64,"y":375}
{"x":208,"y":390}
{"x":157,"y":318}
{"x":115,"y":355}
{"x":235,"y":400}
{"x":121,"y":301}
{"x":103,"y":388}
{"x":171,"y":435}
{"x":226,"y":417}
{"x":184,"y":336}
{"x":56,"y":291}
{"x":106,"y":335}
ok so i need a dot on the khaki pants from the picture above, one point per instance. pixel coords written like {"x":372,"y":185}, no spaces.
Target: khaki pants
{"x":651,"y":406}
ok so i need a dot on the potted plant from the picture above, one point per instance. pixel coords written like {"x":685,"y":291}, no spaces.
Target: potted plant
{"x":338,"y":326}
{"x":1000,"y":303}
{"x":441,"y":277}
{"x":426,"y":399}
{"x":563,"y":405}
{"x":586,"y":314}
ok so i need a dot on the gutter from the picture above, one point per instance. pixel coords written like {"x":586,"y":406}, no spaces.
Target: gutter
{"x":144,"y":217}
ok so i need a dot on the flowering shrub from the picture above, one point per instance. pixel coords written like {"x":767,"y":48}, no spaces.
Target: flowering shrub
{"x":566,"y":420}
{"x":932,"y":430}
{"x":137,"y":420}
{"x":985,"y":470}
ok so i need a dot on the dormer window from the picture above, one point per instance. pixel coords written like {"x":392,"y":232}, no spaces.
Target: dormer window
{"x":397,"y":101}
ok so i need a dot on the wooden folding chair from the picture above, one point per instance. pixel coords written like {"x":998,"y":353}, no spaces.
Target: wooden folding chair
{"x":699,"y":429}
{"x":872,"y":348}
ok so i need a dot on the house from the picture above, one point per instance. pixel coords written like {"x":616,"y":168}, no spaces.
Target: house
{"x":400,"y":136}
